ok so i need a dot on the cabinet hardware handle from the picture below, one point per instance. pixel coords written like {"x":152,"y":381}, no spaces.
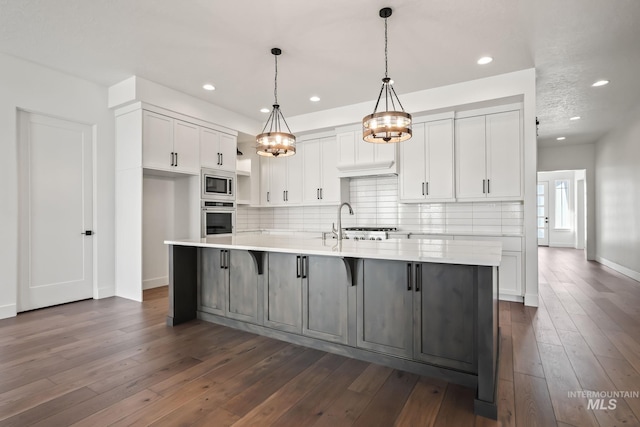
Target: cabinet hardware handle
{"x":318,"y":193}
{"x":222,"y":259}
{"x":218,"y":163}
{"x":427,"y":187}
{"x":483,"y":186}
{"x":321,"y":196}
{"x":172,"y":159}
{"x":176,"y":159}
{"x":268,"y":197}
{"x":488,"y":186}
{"x":221,"y":159}
{"x":409,"y":276}
{"x":284,"y":196}
{"x":423,"y":188}
{"x":418,"y":276}
{"x":298,"y":266}
{"x":226,"y":264}
{"x":305,"y":266}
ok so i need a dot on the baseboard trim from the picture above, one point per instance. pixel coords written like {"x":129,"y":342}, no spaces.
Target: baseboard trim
{"x":512,"y":298}
{"x":619,"y":268}
{"x":106,"y":292}
{"x":9,"y":310}
{"x":562,"y":245}
{"x":156,"y":282}
{"x":531,"y":300}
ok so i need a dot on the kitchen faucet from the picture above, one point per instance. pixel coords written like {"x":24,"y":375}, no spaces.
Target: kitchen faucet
{"x":338,"y":232}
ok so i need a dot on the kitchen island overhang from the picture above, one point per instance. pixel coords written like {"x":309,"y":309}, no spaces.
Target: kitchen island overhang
{"x":425,"y":306}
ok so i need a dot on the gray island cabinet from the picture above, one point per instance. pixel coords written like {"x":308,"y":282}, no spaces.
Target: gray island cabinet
{"x":424,"y":306}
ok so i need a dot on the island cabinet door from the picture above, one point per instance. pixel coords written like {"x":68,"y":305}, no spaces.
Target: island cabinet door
{"x":242,"y":302}
{"x":445,"y":316}
{"x":213,"y":280}
{"x":384,"y":306}
{"x":324,"y":296}
{"x":283,"y":293}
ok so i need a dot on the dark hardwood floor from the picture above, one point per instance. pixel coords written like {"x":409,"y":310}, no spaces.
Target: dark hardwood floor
{"x":114,"y":362}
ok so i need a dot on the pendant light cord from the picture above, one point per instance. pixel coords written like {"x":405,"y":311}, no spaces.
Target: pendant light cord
{"x":386,"y":74}
{"x":275,"y":87}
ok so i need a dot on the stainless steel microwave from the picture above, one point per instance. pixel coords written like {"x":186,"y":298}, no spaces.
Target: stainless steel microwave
{"x":218,"y":185}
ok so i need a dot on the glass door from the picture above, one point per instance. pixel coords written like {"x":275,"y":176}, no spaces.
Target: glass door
{"x":543,"y":216}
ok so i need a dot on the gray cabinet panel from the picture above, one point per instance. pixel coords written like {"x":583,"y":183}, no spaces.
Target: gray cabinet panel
{"x":213,"y":281}
{"x":325,"y":299}
{"x":243,"y":287}
{"x":385,"y":307}
{"x":283,"y":294}
{"x":445,"y":315}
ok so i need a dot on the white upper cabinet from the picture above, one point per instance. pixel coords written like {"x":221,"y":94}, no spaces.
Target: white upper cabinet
{"x":489,"y":157}
{"x":157,"y":141}
{"x":359,"y":158}
{"x":281,"y":180}
{"x":186,"y":145}
{"x":426,"y":168}
{"x":217,"y":150}
{"x":321,"y":181}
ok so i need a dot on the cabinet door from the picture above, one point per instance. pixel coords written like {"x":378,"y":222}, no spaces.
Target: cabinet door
{"x":228,"y":150}
{"x":439,"y":152}
{"x":445,"y":315}
{"x":346,"y":148}
{"x":278,"y":180}
{"x":386,"y":152}
{"x":283,"y":294}
{"x":510,"y":274}
{"x":325,"y":299}
{"x":329,"y":179}
{"x":504,"y":155}
{"x":242,"y":303}
{"x":186,"y":144}
{"x":312,"y":165}
{"x":214,"y":279}
{"x":294,"y":183}
{"x":470,"y":158}
{"x":209,"y":143}
{"x":265,"y":181}
{"x":157,"y":141}
{"x":365,"y":151}
{"x":385,"y":307}
{"x":412,"y":166}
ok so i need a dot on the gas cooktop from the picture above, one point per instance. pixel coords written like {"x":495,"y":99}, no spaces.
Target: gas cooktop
{"x":367,"y":233}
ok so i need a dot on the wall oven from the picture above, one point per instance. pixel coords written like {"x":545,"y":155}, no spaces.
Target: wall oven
{"x":218,"y":185}
{"x":218,"y":218}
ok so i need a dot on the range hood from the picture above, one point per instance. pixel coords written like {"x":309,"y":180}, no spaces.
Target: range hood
{"x":387,"y":167}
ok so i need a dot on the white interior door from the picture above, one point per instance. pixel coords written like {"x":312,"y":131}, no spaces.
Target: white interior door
{"x":543,"y":213}
{"x":56,"y":199}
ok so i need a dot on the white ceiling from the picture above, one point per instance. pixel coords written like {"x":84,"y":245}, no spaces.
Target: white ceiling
{"x":334,"y":49}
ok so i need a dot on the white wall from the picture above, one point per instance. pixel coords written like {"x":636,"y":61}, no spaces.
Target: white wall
{"x":573,"y":157}
{"x":618,"y":198}
{"x":28,"y":86}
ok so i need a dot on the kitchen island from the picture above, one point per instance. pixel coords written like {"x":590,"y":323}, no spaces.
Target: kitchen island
{"x":425,"y":306}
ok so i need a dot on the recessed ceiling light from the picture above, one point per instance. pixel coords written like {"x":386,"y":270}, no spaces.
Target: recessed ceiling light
{"x":575,"y":118}
{"x":561,"y":138}
{"x":600,"y":83}
{"x":485,"y":60}
{"x":264,"y":110}
{"x":314,"y":99}
{"x":208,"y":86}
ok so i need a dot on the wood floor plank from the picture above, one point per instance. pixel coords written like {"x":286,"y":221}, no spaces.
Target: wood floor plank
{"x":388,"y":401}
{"x":506,"y":404}
{"x":526,"y":359}
{"x":505,"y":360}
{"x":423,"y":404}
{"x":561,"y":380}
{"x":533,"y":404}
{"x":624,"y":377}
{"x":108,"y":416}
{"x":345,"y":409}
{"x":456,"y":408}
{"x":370,"y":381}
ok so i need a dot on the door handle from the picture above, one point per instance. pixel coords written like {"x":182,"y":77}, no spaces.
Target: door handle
{"x":298,"y":266}
{"x":418,"y":276}
{"x":88,"y":233}
{"x":409,"y":276}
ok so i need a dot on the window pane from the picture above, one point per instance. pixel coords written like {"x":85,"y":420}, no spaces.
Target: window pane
{"x":562,"y":214}
{"x":540,"y":233}
{"x":541,"y":211}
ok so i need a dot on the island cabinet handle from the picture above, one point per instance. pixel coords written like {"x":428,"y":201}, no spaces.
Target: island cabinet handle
{"x":418,"y":276}
{"x":305,"y":266}
{"x":298,"y":266}
{"x":226,"y":263}
{"x":409,"y":276}
{"x":222,"y":259}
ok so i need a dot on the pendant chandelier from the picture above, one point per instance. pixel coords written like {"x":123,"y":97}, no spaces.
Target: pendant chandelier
{"x":389,"y":125}
{"x":274,"y":141}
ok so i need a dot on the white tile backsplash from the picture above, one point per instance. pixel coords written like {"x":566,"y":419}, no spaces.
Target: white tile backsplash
{"x":375,"y":203}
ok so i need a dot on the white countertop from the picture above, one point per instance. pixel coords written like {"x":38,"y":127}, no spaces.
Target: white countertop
{"x":488,"y":253}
